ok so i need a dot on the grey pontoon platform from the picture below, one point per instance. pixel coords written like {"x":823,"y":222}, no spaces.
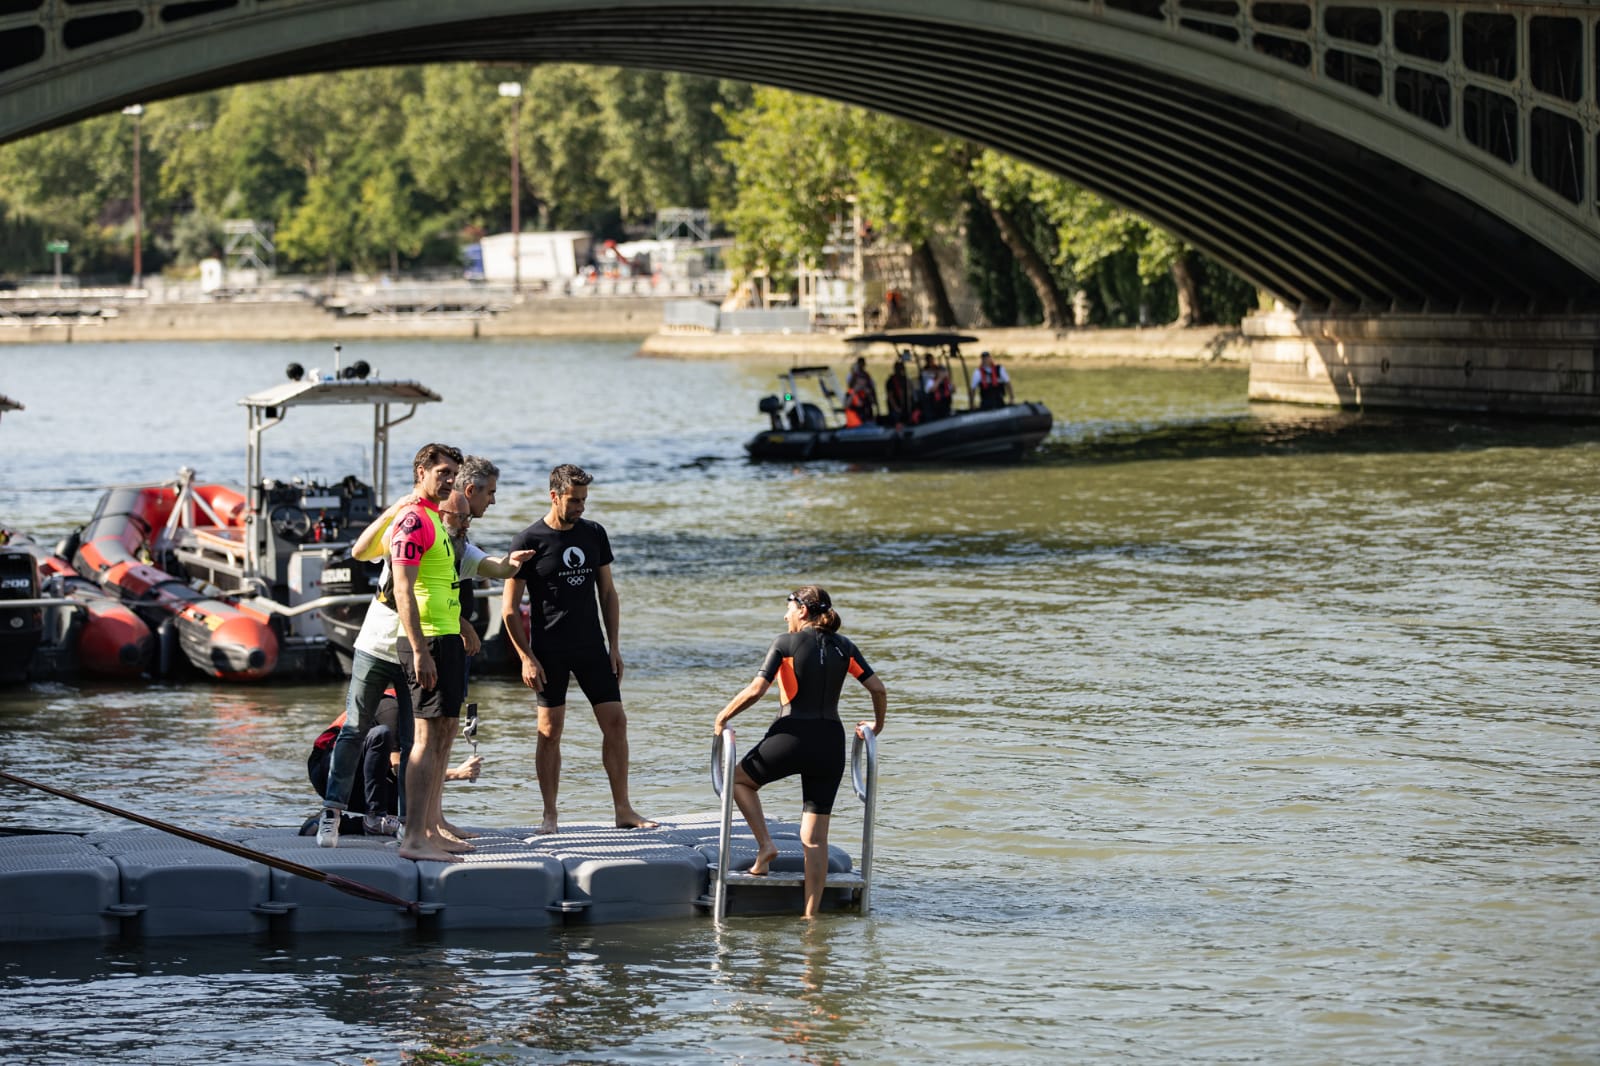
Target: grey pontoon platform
{"x":146,"y":883}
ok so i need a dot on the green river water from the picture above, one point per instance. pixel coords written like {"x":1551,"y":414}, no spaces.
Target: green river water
{"x":1218,"y":733}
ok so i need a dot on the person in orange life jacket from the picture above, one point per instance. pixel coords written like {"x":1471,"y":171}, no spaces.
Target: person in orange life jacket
{"x":860,"y":398}
{"x":810,"y":662}
{"x":375,"y":796}
{"x":992,"y":384}
{"x":897,"y":394}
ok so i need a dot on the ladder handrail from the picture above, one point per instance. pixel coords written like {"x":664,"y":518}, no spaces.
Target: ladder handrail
{"x":866,"y":742}
{"x":722,"y":763}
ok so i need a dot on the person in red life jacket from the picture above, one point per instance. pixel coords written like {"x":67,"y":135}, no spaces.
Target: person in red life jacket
{"x":860,"y":397}
{"x":374,"y":808}
{"x":992,"y":384}
{"x":937,"y":392}
{"x":897,"y":394}
{"x":810,"y":662}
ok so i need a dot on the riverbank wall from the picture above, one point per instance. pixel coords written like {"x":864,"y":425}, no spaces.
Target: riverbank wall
{"x":606,"y":317}
{"x":293,"y":320}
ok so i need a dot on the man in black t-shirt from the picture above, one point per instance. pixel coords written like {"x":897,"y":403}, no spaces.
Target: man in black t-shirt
{"x":574,"y":619}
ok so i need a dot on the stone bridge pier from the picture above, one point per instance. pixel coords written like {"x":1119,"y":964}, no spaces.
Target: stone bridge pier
{"x":1514,"y":364}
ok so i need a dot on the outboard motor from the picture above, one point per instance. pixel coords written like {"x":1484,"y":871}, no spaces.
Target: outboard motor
{"x":772,"y":407}
{"x":21,"y":628}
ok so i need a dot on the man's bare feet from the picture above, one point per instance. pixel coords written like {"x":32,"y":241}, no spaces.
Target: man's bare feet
{"x":424,"y":852}
{"x":546,"y":827}
{"x":454,"y":844}
{"x":632,"y":819}
{"x":763,"y":861}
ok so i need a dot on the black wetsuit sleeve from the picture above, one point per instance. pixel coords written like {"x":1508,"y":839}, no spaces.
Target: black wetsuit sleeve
{"x":774,"y":659}
{"x":858,"y":667}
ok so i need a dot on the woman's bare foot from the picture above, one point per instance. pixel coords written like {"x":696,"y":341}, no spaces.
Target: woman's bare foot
{"x":458,"y":833}
{"x":632,"y":819}
{"x":546,"y":827}
{"x":763,"y":861}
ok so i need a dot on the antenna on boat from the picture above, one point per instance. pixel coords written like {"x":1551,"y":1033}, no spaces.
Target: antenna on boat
{"x":337,"y":348}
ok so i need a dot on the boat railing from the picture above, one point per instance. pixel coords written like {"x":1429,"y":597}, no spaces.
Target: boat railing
{"x":864,"y":778}
{"x":262,"y":598}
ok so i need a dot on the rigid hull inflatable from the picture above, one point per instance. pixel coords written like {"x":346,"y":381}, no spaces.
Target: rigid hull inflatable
{"x":61,"y":624}
{"x":929,"y":429}
{"x":1003,"y":433}
{"x":219,"y":635}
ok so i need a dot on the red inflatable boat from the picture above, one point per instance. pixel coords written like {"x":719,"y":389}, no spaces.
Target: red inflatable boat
{"x":220,"y":635}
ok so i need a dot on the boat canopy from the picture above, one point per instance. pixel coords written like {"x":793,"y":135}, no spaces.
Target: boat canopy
{"x":342,"y":391}
{"x":269,"y":407}
{"x":914,"y":339}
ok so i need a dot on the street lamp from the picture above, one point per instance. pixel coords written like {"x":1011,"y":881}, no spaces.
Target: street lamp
{"x":137,"y":110}
{"x":513,"y":89}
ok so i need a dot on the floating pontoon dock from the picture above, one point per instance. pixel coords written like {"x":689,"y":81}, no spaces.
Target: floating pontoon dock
{"x":155,"y":883}
{"x":146,"y":883}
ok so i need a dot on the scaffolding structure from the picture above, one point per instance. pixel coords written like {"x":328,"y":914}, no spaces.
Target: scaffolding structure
{"x":689,"y":223}
{"x":247,"y":241}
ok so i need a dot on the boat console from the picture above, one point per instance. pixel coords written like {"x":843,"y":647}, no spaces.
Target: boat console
{"x":302,"y":512}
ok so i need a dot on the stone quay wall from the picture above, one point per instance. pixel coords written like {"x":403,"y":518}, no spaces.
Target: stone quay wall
{"x":588,"y":316}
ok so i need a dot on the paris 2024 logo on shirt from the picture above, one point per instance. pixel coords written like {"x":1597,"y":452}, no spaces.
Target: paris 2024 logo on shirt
{"x":575,"y":572}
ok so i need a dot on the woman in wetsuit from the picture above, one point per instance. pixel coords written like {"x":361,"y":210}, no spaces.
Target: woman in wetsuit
{"x":810,"y":663}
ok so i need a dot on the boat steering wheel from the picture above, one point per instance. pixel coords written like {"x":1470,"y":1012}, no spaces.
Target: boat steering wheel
{"x":290,"y":522}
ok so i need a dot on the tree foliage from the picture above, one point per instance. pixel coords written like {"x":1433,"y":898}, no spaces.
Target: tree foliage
{"x":393,"y":168}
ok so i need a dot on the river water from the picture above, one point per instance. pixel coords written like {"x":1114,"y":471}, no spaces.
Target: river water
{"x":1218,"y":732}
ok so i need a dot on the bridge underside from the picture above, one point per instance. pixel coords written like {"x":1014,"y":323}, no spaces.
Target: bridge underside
{"x":1310,"y":215}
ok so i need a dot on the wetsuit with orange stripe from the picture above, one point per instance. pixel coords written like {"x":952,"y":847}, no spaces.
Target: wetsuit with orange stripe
{"x":808,"y":738}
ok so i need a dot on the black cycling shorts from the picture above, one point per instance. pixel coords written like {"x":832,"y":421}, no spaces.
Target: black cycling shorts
{"x":810,"y":747}
{"x":443,"y":700}
{"x":592,"y":668}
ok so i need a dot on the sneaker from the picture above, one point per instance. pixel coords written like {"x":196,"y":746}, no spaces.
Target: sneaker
{"x":386,"y":825}
{"x":328,"y":828}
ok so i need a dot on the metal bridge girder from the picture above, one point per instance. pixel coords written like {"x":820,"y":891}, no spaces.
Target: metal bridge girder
{"x":1361,"y":155}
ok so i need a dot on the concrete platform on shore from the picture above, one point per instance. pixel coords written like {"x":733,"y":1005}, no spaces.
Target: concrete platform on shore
{"x":297,"y":320}
{"x":1201,"y":344}
{"x":146,"y":883}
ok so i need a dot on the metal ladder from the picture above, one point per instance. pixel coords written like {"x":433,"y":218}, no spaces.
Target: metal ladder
{"x":863,"y":776}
